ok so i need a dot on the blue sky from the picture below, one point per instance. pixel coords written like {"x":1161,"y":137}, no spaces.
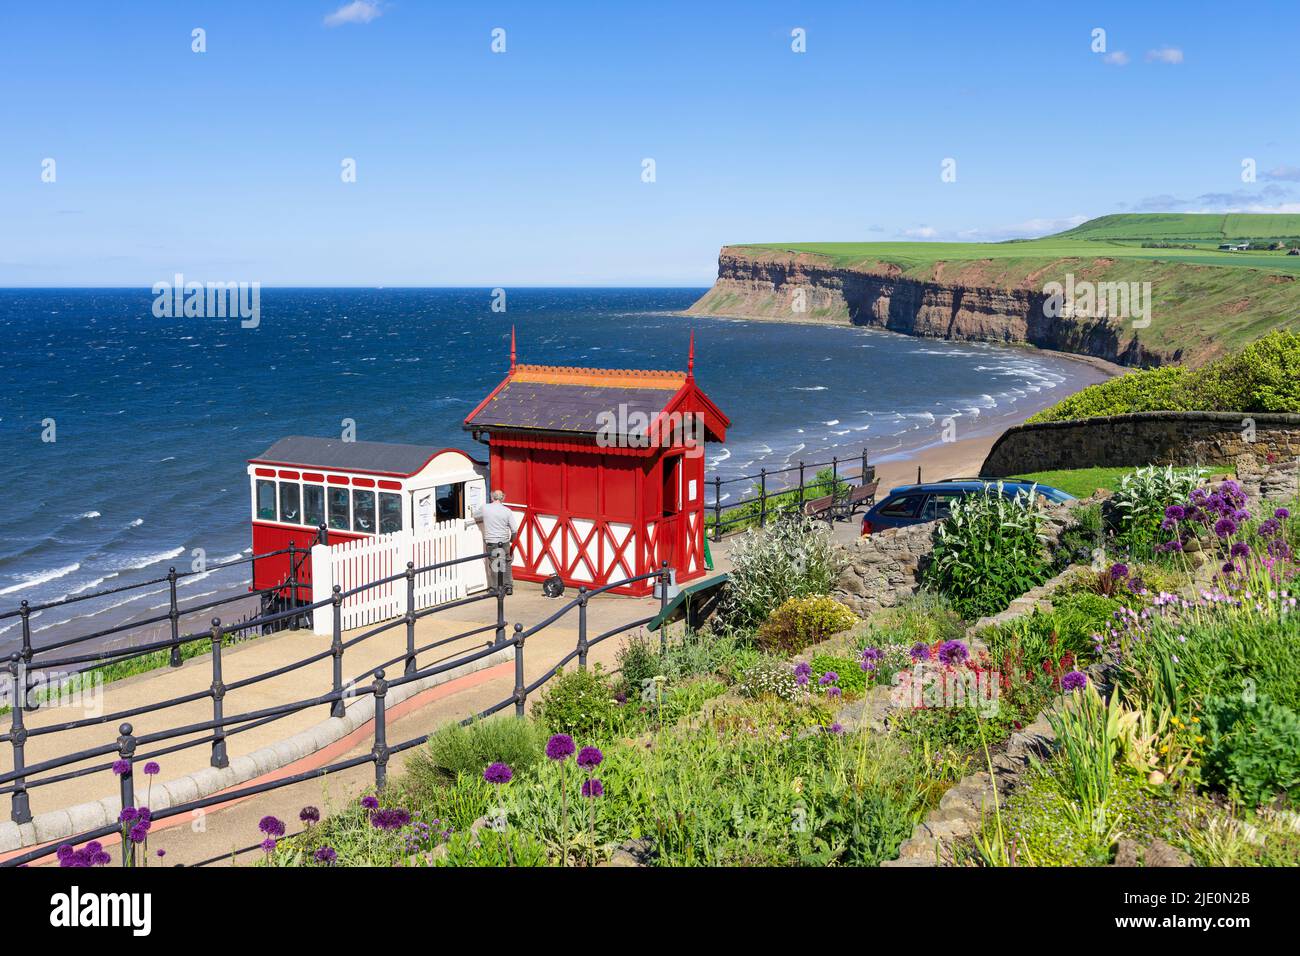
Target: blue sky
{"x":525,"y":168}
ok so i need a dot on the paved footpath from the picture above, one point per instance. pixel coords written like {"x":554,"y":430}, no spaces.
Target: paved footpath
{"x":419,"y":715}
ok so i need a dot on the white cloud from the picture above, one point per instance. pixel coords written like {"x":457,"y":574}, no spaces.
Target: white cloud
{"x":1166,"y":54}
{"x":1287,"y":173}
{"x":922,"y":232}
{"x":358,"y":11}
{"x":1118,"y":58}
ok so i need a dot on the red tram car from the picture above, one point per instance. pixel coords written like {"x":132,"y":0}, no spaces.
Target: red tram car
{"x":305,"y":491}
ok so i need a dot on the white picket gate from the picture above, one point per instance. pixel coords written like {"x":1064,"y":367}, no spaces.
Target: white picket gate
{"x":354,"y":563}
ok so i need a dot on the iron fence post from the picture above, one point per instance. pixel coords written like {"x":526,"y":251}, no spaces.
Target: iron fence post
{"x":336,"y":649}
{"x":801,"y":490}
{"x":381,"y":731}
{"x":762,"y":497}
{"x":322,"y":534}
{"x":717,"y":508}
{"x":582,"y":628}
{"x":519,"y":671}
{"x":410,"y":617}
{"x":174,"y":615}
{"x":28,"y":703}
{"x":864,"y":465}
{"x":20,"y":810}
{"x":126,"y":784}
{"x":498,"y":568}
{"x":663,"y":606}
{"x":293,"y":584}
{"x":219,"y":758}
{"x":835,"y":475}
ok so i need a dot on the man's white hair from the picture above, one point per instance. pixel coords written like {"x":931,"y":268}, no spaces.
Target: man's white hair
{"x":498,"y":495}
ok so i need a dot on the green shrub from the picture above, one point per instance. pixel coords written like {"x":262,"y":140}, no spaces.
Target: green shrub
{"x":638,"y":661}
{"x":793,"y":557}
{"x":803,"y":621}
{"x":1085,"y":537}
{"x":580,"y":703}
{"x":1141,"y":499}
{"x":457,"y":748}
{"x":852,"y":678}
{"x":988,"y":552}
{"x":927,"y":617}
{"x":1252,"y":749}
{"x":1262,"y":377}
{"x":769,"y":676}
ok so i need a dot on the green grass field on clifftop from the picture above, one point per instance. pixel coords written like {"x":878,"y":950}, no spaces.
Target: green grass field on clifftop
{"x":1204,"y":301}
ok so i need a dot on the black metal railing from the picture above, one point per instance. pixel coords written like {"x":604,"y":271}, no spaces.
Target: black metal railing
{"x":124,"y":750}
{"x":767,"y":500}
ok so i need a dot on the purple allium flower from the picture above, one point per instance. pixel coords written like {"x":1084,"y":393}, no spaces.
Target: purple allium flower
{"x":139,"y":833}
{"x":593,"y":788}
{"x":621,"y":698}
{"x":65,"y":851}
{"x":151,"y":768}
{"x":830,"y":677}
{"x":268,"y":845}
{"x":271,"y":826}
{"x":1074,"y":680}
{"x":589,"y":758}
{"x":1118,"y":570}
{"x":370,"y":803}
{"x":1282,"y":513}
{"x":100,"y":858}
{"x":560,"y":747}
{"x":836,"y":728}
{"x":121,"y":767}
{"x":1175,"y":513}
{"x":920,"y":651}
{"x":161,"y":853}
{"x":1240,"y":550}
{"x":309,"y":815}
{"x":326,"y":855}
{"x":833,"y":691}
{"x":802,"y":671}
{"x":390,"y":819}
{"x":498,"y":773}
{"x":1269,"y":527}
{"x":1225,"y":527}
{"x":953,"y":653}
{"x":128,"y":815}
{"x":871,"y":658}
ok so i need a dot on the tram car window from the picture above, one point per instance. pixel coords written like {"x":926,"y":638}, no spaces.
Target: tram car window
{"x":338,"y":499}
{"x":290,"y":507}
{"x":363,"y":511}
{"x":313,"y":505}
{"x":390,"y":512}
{"x":266,"y":500}
{"x":449,"y":499}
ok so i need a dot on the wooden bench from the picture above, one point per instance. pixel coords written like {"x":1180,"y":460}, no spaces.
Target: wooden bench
{"x":843,"y":505}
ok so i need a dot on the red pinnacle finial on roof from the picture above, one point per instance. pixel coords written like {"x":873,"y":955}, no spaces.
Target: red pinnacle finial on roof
{"x":690,"y":359}
{"x":512,"y":348}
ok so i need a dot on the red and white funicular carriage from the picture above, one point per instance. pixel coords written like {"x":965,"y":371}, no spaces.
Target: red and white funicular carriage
{"x":605,"y":466}
{"x":379,"y":505}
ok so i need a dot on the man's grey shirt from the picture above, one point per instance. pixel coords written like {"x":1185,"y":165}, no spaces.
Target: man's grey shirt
{"x":499,"y":522}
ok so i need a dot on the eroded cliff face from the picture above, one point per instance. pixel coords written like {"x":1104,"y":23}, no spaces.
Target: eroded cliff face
{"x":804,"y":288}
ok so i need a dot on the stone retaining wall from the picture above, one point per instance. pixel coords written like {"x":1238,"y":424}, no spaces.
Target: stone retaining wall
{"x":1143,"y":438}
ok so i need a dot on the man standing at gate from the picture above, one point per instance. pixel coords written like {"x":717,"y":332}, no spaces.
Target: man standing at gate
{"x":500,"y":525}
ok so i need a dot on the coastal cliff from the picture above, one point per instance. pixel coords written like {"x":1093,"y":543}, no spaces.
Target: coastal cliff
{"x":768,"y":284}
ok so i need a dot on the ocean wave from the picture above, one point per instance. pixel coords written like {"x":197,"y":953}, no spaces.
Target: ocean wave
{"x":144,"y":561}
{"x":809,"y":388}
{"x":90,"y":515}
{"x":40,"y":577}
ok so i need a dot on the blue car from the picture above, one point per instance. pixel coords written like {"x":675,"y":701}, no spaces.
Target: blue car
{"x":914,"y":504}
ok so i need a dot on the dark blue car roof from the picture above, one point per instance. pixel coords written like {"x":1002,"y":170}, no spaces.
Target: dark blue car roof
{"x":974,"y":486}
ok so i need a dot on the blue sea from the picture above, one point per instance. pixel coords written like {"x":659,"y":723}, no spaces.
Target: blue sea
{"x":153,"y":419}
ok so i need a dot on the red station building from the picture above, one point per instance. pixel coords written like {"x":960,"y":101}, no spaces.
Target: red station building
{"x":606,"y":467}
